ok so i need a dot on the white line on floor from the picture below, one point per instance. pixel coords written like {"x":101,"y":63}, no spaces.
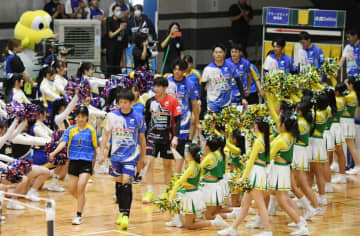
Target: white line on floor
{"x":107,"y":231}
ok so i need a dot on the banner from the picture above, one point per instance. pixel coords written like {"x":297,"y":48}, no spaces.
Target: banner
{"x":325,"y":19}
{"x":277,"y":16}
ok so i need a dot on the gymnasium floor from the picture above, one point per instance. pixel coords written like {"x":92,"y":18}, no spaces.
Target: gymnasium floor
{"x":341,"y":217}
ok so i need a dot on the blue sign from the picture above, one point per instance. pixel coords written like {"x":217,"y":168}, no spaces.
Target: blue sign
{"x":277,"y":16}
{"x":325,"y":19}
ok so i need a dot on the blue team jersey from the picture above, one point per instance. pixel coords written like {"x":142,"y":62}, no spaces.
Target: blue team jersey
{"x":219,"y":85}
{"x":139,"y":107}
{"x":351,"y":53}
{"x":125,"y":131}
{"x":313,"y":56}
{"x":195,"y":77}
{"x":241,"y":70}
{"x":185,"y":92}
{"x":8,"y":70}
{"x":284,"y":64}
{"x":81,"y":144}
{"x":95,"y":13}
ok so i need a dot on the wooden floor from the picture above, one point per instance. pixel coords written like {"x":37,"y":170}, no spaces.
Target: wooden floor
{"x":340,"y":218}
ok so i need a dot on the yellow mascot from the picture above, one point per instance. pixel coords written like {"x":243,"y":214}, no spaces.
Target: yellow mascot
{"x":32,"y":27}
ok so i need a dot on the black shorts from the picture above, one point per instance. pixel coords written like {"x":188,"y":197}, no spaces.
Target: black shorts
{"x":153,"y":149}
{"x":77,"y":167}
{"x":181,"y":146}
{"x":253,"y":98}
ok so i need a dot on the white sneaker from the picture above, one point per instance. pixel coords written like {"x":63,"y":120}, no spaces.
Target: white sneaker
{"x":339,"y":179}
{"x":322,"y":200}
{"x":334,"y":167}
{"x":303,"y":230}
{"x":315,"y":188}
{"x":175,"y":222}
{"x":234,"y":213}
{"x":230,"y":231}
{"x":354,"y":171}
{"x":33,"y":196}
{"x":264,"y":233}
{"x":256,"y":224}
{"x":310,"y":213}
{"x":14,"y":205}
{"x":90,"y":181}
{"x":329,"y":188}
{"x":77,"y":220}
{"x":298,"y":203}
{"x":319,"y":211}
{"x":219,"y":222}
{"x":302,"y":222}
{"x":55,"y":187}
{"x":292,"y":224}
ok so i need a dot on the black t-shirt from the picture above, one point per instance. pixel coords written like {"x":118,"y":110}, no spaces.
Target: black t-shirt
{"x":121,"y":39}
{"x":240,"y":26}
{"x":138,"y":62}
{"x":51,"y":8}
{"x":17,"y":65}
{"x":176,"y":45}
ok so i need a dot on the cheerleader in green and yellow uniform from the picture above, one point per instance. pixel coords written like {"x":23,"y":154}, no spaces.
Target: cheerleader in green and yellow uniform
{"x":192,"y":199}
{"x":281,"y":153}
{"x":255,"y":172}
{"x":347,"y":121}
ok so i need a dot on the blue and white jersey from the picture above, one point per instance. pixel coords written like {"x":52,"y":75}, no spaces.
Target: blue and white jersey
{"x":219,"y":85}
{"x":94,"y":13}
{"x":313,"y":56}
{"x":195,"y":77}
{"x":184,"y":92}
{"x":284,"y":64}
{"x":352,"y":55}
{"x":125,"y":131}
{"x":241,"y":70}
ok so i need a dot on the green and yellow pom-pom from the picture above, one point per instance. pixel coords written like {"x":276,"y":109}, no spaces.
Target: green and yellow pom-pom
{"x":164,"y":204}
{"x":237,"y":188}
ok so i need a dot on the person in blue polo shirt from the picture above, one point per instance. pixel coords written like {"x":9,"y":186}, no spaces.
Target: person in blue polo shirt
{"x":217,"y":83}
{"x":81,"y":142}
{"x":126,"y":130}
{"x":241,"y":68}
{"x":351,"y":54}
{"x":279,"y":61}
{"x":309,"y":55}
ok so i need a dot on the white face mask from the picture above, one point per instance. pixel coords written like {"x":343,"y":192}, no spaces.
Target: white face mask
{"x":117,"y":13}
{"x":137,"y":13}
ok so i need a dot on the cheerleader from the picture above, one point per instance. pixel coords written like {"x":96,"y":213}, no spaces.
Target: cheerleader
{"x":13,"y":89}
{"x":337,"y":133}
{"x":61,"y":111}
{"x":187,"y":189}
{"x":281,"y":153}
{"x":300,"y":163}
{"x":48,"y":88}
{"x":213,"y":169}
{"x":60,"y":77}
{"x":317,"y":143}
{"x":347,"y":121}
{"x":255,"y":172}
{"x":81,"y":141}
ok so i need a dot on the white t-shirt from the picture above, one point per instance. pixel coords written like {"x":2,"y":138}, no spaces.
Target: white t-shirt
{"x":350,"y":57}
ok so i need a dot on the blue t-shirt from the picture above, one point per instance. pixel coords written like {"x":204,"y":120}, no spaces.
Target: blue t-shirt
{"x":313,"y":56}
{"x":81,"y":144}
{"x":241,"y":70}
{"x":185,"y":92}
{"x":139,"y":108}
{"x":195,"y":77}
{"x":284,"y":64}
{"x":95,"y":13}
{"x":125,"y":131}
{"x":219,"y":85}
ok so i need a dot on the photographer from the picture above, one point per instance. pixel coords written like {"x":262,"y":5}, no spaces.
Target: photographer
{"x":141,"y":52}
{"x":174,"y":47}
{"x":118,"y":40}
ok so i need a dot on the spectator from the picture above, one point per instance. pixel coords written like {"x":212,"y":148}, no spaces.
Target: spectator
{"x":94,"y":12}
{"x":118,"y":40}
{"x":140,"y":22}
{"x":56,"y":10}
{"x":141,"y":52}
{"x":174,"y":47}
{"x":309,"y":55}
{"x":240,"y":15}
{"x":125,"y":9}
{"x":76,"y":9}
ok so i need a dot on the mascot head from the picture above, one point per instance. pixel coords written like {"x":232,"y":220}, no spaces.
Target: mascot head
{"x":33,"y":27}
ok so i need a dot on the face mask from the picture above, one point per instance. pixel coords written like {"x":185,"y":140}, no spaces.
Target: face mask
{"x":117,"y":13}
{"x":137,"y":13}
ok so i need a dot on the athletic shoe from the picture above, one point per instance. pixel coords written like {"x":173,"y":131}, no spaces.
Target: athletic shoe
{"x":257,"y":224}
{"x":233,"y":214}
{"x":315,"y":188}
{"x":119,"y":219}
{"x":14,"y":205}
{"x":354,"y":171}
{"x":219,"y":222}
{"x":33,"y":195}
{"x":301,"y":231}
{"x":148,"y":197}
{"x":90,"y":181}
{"x":230,"y":231}
{"x":319,"y":211}
{"x":339,"y":179}
{"x":264,"y":233}
{"x":334,"y":167}
{"x":322,"y":200}
{"x":310,"y":213}
{"x":124,"y":222}
{"x":175,"y":222}
{"x":77,"y":220}
{"x":55,"y":187}
{"x":137,"y":179}
{"x":292,"y":224}
{"x":329,"y":188}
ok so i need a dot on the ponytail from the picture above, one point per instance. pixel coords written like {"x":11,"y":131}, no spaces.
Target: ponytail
{"x":289,"y":119}
{"x":332,"y":100}
{"x":195,"y":152}
{"x":264,"y":127}
{"x":84,"y":67}
{"x":240,"y":140}
{"x":321,"y":102}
